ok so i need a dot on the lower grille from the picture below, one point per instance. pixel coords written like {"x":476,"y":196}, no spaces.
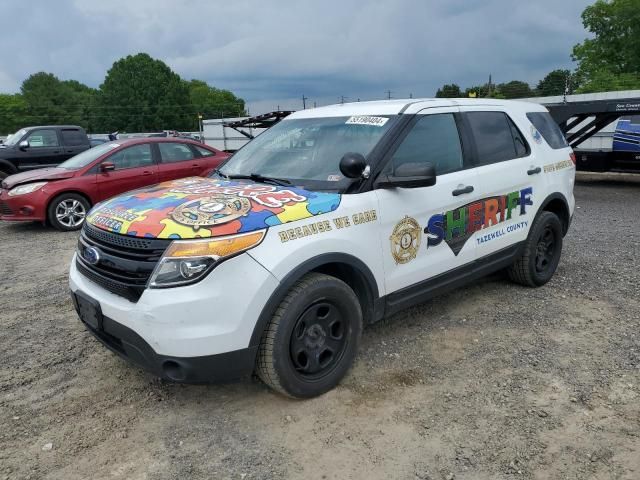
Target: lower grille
{"x":5,"y":209}
{"x":125,"y":263}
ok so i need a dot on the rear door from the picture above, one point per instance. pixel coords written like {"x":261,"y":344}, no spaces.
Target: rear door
{"x":208,"y":159}
{"x":74,"y":141}
{"x":134,"y":168}
{"x":177,"y":160}
{"x":507,"y":177}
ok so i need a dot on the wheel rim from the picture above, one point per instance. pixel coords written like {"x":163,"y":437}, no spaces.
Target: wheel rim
{"x":70,"y":212}
{"x":318,"y":340}
{"x":545,"y":249}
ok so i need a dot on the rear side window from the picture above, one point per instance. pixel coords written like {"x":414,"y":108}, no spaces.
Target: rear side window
{"x":496,"y":137}
{"x":548,"y":129}
{"x":72,"y":137}
{"x":175,"y":152}
{"x":433,"y":139}
{"x":203,"y":151}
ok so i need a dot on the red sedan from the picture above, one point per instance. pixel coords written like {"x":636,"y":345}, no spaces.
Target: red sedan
{"x":63,"y":195}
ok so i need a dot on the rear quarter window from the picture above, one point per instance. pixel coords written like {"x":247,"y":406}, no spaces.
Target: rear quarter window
{"x":548,"y":128}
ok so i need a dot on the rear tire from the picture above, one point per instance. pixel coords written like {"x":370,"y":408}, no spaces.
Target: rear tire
{"x":67,"y":212}
{"x":541,"y":254}
{"x":312,"y":339}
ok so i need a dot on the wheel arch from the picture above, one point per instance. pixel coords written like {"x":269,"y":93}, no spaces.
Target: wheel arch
{"x":557,"y":203}
{"x":64,"y":192}
{"x":7,"y":166}
{"x":345,"y":267}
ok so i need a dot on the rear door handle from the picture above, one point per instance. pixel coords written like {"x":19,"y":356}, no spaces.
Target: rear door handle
{"x":462,"y":191}
{"x":533,"y":171}
{"x":146,"y":172}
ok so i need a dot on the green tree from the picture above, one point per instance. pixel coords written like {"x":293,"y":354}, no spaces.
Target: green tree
{"x":614,"y":49}
{"x":12,"y":113}
{"x":142,"y":94}
{"x":555,"y":83}
{"x":514,"y":89}
{"x":449,"y":91}
{"x":52,"y":101}
{"x":604,"y":80}
{"x":213,"y":102}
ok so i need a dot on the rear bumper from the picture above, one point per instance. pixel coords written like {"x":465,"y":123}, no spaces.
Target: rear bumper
{"x":130,"y":346}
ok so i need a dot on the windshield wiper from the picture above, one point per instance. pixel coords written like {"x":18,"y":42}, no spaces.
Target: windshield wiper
{"x":256,"y":177}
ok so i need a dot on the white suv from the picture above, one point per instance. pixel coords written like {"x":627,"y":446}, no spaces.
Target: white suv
{"x":334,"y":218}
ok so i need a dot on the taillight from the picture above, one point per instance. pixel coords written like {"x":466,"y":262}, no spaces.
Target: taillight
{"x":572,"y":156}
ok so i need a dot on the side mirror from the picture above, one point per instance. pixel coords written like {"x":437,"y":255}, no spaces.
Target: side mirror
{"x":107,"y":167}
{"x":409,"y":175}
{"x":24,"y":144}
{"x":352,"y":165}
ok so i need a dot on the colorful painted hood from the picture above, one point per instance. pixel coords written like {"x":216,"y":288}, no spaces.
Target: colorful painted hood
{"x":204,"y":207}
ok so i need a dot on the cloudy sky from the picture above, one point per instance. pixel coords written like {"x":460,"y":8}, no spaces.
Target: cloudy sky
{"x":270,"y":52}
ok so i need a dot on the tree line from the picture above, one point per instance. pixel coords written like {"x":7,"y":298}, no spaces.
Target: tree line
{"x":608,"y":61}
{"x":139,"y":94}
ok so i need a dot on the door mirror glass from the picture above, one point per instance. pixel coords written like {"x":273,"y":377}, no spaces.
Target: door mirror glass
{"x":107,"y":167}
{"x":409,"y":175}
{"x":24,"y":144}
{"x":352,"y":165}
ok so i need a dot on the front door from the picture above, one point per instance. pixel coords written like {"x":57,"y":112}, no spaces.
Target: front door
{"x":44,"y":150}
{"x":424,"y":230}
{"x":134,"y":168}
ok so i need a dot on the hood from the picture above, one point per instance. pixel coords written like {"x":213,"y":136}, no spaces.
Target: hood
{"x":206,"y":207}
{"x":36,"y":176}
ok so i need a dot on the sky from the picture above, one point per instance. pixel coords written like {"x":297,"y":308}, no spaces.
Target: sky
{"x":271,"y":52}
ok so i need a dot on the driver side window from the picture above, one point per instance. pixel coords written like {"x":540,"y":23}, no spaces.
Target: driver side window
{"x":132,"y":157}
{"x":433,"y":139}
{"x":43,"y":138}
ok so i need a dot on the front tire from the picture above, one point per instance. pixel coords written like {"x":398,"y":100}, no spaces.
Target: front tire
{"x":541,"y":254}
{"x":312,"y":339}
{"x":67,"y":211}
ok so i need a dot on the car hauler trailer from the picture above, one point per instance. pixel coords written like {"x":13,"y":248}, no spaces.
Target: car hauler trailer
{"x":231,"y":134}
{"x":603,"y":128}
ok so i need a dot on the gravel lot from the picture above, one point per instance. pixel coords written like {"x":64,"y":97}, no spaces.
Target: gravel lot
{"x":493,"y":381}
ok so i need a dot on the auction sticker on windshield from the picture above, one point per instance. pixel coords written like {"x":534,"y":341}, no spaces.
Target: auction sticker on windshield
{"x":367,"y":120}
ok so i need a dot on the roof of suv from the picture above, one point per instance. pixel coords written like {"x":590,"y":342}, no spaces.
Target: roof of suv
{"x":410,"y":105}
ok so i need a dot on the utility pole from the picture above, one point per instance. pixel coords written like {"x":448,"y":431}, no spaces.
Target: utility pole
{"x":342,"y":99}
{"x":388,"y":92}
{"x":411,"y":95}
{"x":304,"y":102}
{"x":489,"y":87}
{"x":566,"y":89}
{"x":314,"y":104}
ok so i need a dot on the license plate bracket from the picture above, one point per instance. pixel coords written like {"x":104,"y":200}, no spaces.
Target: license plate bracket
{"x":88,"y":310}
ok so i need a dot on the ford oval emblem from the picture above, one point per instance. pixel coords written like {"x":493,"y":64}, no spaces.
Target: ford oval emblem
{"x":91,"y":255}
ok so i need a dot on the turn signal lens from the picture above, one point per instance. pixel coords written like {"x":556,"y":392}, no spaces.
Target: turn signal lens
{"x":572,"y":156}
{"x":189,"y":261}
{"x":217,"y":248}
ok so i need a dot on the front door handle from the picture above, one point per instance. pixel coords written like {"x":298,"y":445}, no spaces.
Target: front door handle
{"x":533,"y":171}
{"x":462,"y":191}
{"x":146,"y":172}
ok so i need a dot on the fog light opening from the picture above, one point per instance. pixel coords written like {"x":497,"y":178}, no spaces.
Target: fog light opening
{"x":173,"y":370}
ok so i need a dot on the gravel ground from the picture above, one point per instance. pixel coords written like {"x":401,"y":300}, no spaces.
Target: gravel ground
{"x":493,"y":381}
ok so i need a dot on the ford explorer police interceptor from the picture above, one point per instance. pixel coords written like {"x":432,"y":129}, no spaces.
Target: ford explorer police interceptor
{"x":332,"y":219}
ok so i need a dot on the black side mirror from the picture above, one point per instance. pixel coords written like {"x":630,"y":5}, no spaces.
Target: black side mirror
{"x":352,"y":165}
{"x":409,"y":175}
{"x":24,"y":144}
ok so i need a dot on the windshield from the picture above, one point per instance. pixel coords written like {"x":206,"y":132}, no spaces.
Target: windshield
{"x":13,"y":139}
{"x":85,"y":158}
{"x":307,"y":151}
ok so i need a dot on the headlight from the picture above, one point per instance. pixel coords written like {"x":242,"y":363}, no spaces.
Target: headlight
{"x":28,"y":188}
{"x":188,"y":261}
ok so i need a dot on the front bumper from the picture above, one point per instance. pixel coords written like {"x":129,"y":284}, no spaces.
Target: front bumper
{"x":127,"y":344}
{"x":197,"y":333}
{"x":27,"y":208}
